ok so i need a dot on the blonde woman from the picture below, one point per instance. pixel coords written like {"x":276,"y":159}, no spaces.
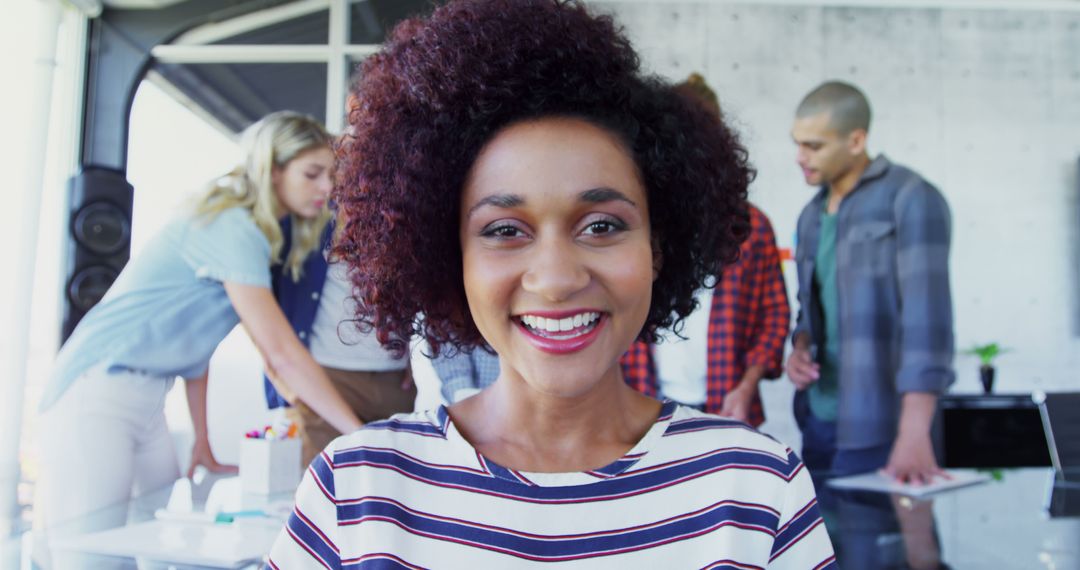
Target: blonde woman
{"x":104,"y":434}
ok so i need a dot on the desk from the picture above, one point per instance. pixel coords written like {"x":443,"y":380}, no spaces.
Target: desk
{"x":1001,"y":524}
{"x":177,"y":544}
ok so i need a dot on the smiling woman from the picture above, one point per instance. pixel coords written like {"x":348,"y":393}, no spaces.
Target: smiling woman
{"x":505,"y":186}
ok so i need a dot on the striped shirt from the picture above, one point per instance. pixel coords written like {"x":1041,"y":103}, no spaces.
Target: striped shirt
{"x":697,"y":491}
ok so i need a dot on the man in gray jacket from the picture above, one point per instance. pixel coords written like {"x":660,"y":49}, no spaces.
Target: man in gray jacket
{"x":873,"y":345}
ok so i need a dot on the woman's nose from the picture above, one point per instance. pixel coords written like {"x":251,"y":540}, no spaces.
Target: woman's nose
{"x":556,"y":272}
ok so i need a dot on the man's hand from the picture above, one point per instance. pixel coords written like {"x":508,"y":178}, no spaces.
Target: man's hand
{"x":801,"y":368}
{"x":912,"y":460}
{"x":202,"y":455}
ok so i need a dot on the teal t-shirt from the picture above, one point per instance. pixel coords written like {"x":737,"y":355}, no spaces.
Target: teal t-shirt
{"x":823,"y":393}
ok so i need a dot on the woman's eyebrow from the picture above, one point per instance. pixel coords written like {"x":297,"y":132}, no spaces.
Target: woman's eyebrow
{"x":499,"y":201}
{"x":604,"y":194}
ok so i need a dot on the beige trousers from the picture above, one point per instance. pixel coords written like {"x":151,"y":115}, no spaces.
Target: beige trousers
{"x":372,"y":395}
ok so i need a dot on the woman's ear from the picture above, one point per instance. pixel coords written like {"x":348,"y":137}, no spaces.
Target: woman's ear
{"x":657,"y":258}
{"x":275,"y":176}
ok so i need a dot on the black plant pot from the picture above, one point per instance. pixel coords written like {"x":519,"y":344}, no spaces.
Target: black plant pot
{"x":986,"y":374}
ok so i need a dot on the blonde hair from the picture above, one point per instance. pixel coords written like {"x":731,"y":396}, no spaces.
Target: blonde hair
{"x":271,"y":142}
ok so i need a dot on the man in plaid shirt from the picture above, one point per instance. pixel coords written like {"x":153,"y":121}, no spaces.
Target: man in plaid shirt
{"x":744,"y":330}
{"x":748,"y":321}
{"x":873,"y":346}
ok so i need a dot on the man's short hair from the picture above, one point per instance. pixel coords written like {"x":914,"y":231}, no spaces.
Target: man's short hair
{"x":847,"y":106}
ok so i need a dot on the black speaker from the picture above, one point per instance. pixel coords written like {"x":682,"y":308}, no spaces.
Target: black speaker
{"x":99,"y":239}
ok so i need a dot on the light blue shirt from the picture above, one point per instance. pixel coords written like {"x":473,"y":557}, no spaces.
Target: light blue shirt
{"x":167,"y":311}
{"x":471,"y":371}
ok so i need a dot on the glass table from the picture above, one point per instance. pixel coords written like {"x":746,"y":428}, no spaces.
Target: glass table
{"x":176,"y":528}
{"x":1021,"y":520}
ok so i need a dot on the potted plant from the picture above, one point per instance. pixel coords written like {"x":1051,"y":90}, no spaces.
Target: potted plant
{"x":987,"y":353}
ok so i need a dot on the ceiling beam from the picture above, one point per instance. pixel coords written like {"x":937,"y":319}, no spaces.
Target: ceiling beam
{"x":282,"y":53}
{"x":217,"y":31}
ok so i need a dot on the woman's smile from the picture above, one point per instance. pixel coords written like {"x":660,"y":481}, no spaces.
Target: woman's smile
{"x":563,"y":331}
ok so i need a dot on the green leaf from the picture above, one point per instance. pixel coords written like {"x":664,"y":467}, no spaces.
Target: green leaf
{"x":987,"y":352}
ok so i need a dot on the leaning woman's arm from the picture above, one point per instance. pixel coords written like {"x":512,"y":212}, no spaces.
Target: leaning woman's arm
{"x":201,"y":454}
{"x":286,"y":357}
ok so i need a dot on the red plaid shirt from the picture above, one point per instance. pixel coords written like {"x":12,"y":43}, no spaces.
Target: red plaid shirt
{"x":748,"y":323}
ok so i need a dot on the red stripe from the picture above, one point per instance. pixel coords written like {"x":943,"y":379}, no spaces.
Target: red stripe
{"x":826,"y":562}
{"x":732,"y":563}
{"x":381,"y":555}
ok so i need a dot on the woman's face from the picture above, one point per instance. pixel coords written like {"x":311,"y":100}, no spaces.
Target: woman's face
{"x":303,"y":184}
{"x":557,"y":253}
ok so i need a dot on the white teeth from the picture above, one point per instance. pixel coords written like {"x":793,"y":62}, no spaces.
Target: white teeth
{"x":560,"y":325}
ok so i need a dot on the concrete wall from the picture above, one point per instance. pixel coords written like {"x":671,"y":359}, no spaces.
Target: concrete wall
{"x":985,"y":103}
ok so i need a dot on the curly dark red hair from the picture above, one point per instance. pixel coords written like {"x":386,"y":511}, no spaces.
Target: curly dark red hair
{"x":444,"y":86}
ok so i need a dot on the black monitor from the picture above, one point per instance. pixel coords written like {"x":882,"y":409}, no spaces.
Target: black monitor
{"x":992,"y":431}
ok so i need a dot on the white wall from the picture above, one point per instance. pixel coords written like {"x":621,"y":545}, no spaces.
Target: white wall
{"x":985,"y":103}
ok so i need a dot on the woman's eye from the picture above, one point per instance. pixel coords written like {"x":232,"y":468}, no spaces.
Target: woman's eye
{"x":503,"y":232}
{"x":312,"y":176}
{"x":603,"y":227}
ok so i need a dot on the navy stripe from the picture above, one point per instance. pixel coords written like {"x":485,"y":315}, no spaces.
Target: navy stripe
{"x":790,"y":534}
{"x":618,"y":466}
{"x":379,"y":561}
{"x":511,"y":487}
{"x":500,"y":472}
{"x":697,"y":424}
{"x":324,"y":473}
{"x":310,"y":541}
{"x":567,"y":547}
{"x":731,"y":565}
{"x":418,"y":428}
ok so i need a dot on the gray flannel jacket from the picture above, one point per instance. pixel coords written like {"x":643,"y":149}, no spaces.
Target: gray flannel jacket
{"x":896,"y":317}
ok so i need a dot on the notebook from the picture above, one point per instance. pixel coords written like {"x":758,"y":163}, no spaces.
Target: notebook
{"x":1060,"y":415}
{"x":881,"y":483}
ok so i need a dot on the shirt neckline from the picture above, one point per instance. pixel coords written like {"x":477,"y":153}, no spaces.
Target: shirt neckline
{"x":613,"y":469}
